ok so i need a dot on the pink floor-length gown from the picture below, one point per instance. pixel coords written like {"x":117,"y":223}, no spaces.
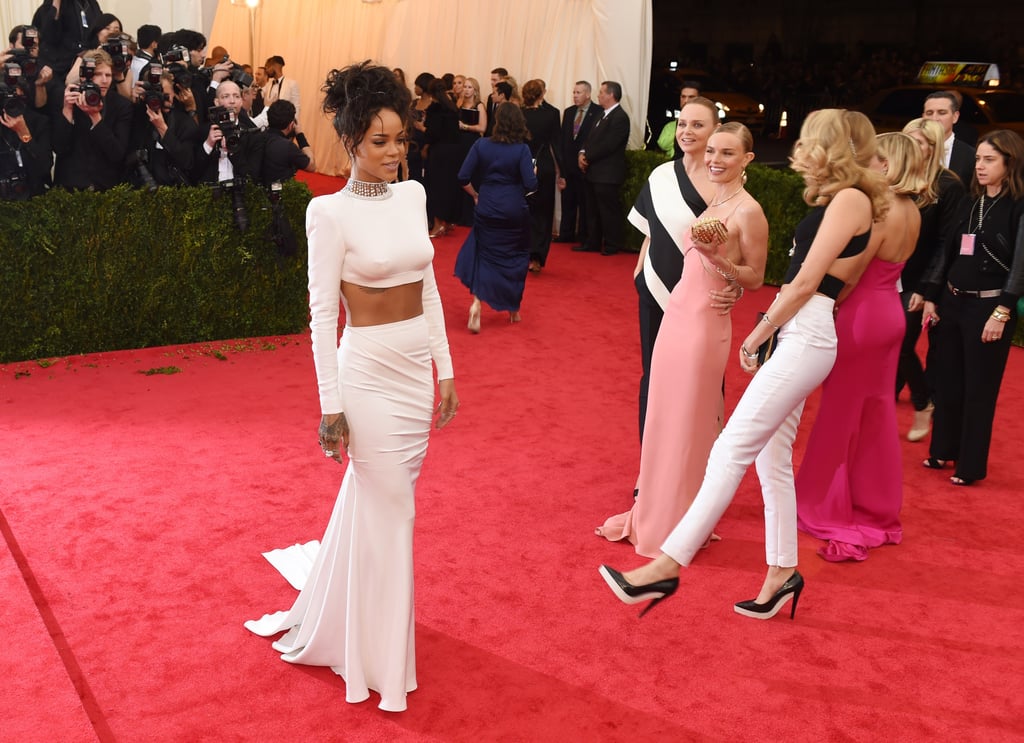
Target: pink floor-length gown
{"x":685,"y":408}
{"x":850,"y":484}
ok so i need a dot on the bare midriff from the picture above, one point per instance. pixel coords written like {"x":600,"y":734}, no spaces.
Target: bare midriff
{"x":379,"y":306}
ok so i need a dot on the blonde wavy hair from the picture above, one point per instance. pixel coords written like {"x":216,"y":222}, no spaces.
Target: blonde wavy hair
{"x":825,"y":156}
{"x":904,"y":167}
{"x":935,"y":136}
{"x":476,"y":91}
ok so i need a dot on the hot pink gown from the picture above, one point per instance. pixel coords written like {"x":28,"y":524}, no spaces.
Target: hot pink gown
{"x":684,"y":411}
{"x":850,"y":485}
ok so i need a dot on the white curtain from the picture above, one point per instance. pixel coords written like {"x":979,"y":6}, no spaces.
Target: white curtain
{"x":559,"y":41}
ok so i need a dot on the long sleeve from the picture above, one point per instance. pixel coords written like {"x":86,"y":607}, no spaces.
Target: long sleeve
{"x":326,"y":256}
{"x":469,"y":164}
{"x":434,"y":313}
{"x":526,"y":170}
{"x":1014,"y":287}
{"x":953,"y":209}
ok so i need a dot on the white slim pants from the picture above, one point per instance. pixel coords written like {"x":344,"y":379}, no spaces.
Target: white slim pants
{"x":763,"y":427}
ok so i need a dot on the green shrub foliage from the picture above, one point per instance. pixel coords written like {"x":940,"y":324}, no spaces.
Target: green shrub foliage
{"x":87,"y":272}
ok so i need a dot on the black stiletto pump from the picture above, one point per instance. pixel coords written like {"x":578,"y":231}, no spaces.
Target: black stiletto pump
{"x":630,"y":594}
{"x":790,"y":589}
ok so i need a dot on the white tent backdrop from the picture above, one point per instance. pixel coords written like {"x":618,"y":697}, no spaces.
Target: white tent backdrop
{"x":559,"y":41}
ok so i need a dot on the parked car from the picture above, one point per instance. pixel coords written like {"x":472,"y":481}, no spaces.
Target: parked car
{"x":732,"y":104}
{"x":985,"y":107}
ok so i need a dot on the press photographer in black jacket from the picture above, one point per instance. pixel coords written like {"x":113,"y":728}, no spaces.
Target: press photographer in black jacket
{"x":91,"y":133}
{"x":165,"y":136}
{"x":25,"y":157}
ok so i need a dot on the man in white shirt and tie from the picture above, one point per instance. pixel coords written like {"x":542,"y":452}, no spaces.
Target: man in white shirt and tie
{"x":944,"y":107}
{"x":278,"y":86}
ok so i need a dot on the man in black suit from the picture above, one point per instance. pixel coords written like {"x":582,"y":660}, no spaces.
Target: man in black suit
{"x":603,"y":162}
{"x":944,"y":107}
{"x":498,"y":75}
{"x":577,"y":121}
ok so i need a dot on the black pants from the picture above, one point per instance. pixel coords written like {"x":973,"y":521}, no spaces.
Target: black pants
{"x":650,"y":323}
{"x":910,"y":371}
{"x":573,"y":223}
{"x":542,"y":214}
{"x":606,"y":227}
{"x":967,"y":376}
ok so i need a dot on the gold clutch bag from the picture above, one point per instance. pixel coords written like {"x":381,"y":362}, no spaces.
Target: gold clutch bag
{"x":708,"y":229}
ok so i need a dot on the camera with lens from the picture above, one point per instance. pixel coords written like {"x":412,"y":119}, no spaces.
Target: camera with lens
{"x":13,"y":181}
{"x":29,"y":64}
{"x":92,"y":96}
{"x":152,"y":88}
{"x":236,"y":189}
{"x":227,"y":122}
{"x":138,"y":161}
{"x":237,"y":75}
{"x":175,"y":55}
{"x":120,"y":53}
{"x":12,"y":96}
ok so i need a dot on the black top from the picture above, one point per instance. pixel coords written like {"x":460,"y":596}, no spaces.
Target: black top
{"x":281,"y":157}
{"x":997,"y":261}
{"x":545,"y":132}
{"x":803,"y":238}
{"x":940,"y":222}
{"x":92,"y":157}
{"x":469,"y":116}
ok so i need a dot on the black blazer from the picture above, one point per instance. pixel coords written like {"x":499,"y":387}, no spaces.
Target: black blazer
{"x":571,"y":145}
{"x":961,"y":162}
{"x":247,"y":162}
{"x":606,"y":148}
{"x":88,"y":156}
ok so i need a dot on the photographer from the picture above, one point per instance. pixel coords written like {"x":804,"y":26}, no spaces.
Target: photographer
{"x":183,"y":53}
{"x":232,"y":151}
{"x":24,"y":50}
{"x":90,"y":135}
{"x":148,"y":38}
{"x":105,"y":34}
{"x":282,"y":157}
{"x":25,"y":157}
{"x":164,"y":134}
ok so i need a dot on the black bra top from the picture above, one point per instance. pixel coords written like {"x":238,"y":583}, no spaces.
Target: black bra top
{"x":804,"y":236}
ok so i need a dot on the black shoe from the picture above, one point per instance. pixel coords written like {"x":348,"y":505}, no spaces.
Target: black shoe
{"x":790,"y":589}
{"x":630,"y":594}
{"x":610,"y":251}
{"x":935,"y":464}
{"x":583,"y":249}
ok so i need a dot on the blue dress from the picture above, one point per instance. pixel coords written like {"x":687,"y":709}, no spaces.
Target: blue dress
{"x":493,"y":261}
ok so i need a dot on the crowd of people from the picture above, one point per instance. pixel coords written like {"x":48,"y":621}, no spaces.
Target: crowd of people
{"x":85,"y":106}
{"x":905,"y":232}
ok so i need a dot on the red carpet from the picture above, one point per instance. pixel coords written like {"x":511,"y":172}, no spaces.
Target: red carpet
{"x":134,"y":508}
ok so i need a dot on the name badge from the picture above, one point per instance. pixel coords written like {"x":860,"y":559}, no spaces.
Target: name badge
{"x":967,"y":244}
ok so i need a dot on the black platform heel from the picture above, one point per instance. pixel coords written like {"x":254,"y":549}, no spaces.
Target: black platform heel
{"x":630,"y":594}
{"x":790,"y":589}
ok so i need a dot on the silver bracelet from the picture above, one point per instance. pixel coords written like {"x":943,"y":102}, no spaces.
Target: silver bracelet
{"x":765,"y":318}
{"x":745,"y":352}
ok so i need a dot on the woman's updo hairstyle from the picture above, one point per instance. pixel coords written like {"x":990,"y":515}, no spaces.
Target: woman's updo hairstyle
{"x":355,"y":95}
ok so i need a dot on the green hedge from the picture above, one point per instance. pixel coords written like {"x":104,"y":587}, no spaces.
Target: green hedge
{"x":87,"y":272}
{"x":780,"y":193}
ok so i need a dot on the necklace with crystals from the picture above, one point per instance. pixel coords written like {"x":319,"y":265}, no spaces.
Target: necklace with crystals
{"x":373,"y":190}
{"x":734,"y":193}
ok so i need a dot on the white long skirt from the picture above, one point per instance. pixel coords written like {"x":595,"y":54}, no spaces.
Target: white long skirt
{"x":355,"y":610}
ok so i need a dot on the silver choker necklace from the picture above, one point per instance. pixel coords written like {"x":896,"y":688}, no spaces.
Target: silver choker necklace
{"x":374,"y":190}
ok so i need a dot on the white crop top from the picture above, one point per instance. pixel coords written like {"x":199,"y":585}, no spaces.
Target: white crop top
{"x":372,"y":243}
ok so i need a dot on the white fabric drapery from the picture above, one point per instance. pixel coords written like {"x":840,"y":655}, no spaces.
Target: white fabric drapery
{"x":559,"y":41}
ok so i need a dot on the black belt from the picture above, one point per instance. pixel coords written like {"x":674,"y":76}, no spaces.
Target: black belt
{"x":984,"y":294}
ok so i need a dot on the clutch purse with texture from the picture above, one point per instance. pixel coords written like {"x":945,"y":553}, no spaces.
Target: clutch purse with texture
{"x":707,"y":229}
